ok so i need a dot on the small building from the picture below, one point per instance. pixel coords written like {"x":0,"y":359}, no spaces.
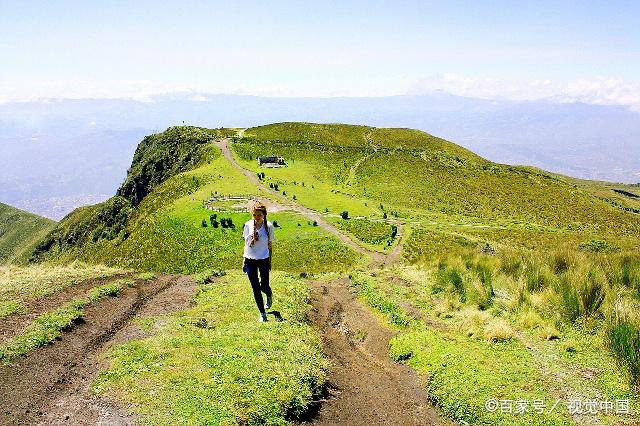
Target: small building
{"x":271,"y":162}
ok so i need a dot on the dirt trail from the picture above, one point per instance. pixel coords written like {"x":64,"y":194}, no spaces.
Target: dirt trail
{"x":376,"y":257}
{"x":15,"y":324}
{"x":366,"y":386}
{"x":50,"y":385}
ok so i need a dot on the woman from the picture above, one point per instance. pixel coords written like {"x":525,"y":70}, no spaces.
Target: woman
{"x":258,"y":235}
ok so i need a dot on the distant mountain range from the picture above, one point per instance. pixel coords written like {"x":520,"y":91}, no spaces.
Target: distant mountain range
{"x":58,"y":154}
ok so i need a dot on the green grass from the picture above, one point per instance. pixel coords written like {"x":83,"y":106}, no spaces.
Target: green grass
{"x":97,"y":293}
{"x":458,"y":199}
{"x":374,"y":235}
{"x":165,"y":234}
{"x":450,"y":343}
{"x":50,"y":325}
{"x":462,"y":373}
{"x":310,"y":134}
{"x":146,"y":276}
{"x":215,"y":364}
{"x":20,"y":231}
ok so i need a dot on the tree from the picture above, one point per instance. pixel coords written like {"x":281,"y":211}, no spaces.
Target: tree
{"x":204,"y":223}
{"x":345,"y":214}
{"x":384,"y":215}
{"x":315,"y":223}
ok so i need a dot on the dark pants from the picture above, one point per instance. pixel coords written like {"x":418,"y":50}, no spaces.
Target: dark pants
{"x":251,"y":267}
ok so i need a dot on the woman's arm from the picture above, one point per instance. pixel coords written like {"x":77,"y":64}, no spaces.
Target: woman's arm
{"x":246,"y":233}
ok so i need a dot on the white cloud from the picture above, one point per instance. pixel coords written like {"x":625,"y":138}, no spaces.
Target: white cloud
{"x":599,"y":91}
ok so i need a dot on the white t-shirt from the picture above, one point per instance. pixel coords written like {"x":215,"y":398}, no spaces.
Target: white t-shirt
{"x":260,"y":248}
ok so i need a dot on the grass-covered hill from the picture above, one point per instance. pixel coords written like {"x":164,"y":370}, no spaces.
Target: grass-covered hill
{"x":20,"y":231}
{"x":157,"y":220}
{"x":448,"y":197}
{"x":547,"y":312}
{"x":448,"y":192}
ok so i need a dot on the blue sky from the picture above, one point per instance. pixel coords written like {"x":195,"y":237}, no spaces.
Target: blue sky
{"x":588,"y":50}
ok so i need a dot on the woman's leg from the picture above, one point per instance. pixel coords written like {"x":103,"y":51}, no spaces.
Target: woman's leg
{"x":252,"y":272}
{"x":263,"y":265}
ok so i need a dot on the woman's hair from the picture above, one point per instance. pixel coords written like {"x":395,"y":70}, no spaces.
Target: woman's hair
{"x":257,"y":206}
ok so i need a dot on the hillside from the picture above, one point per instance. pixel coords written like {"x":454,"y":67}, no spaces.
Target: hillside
{"x":492,"y":282}
{"x":20,"y":231}
{"x":446,"y":196}
{"x":444,"y":192}
{"x":155,"y":221}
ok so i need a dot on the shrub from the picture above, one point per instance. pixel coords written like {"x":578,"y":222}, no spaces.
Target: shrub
{"x":568,"y":299}
{"x":592,"y":292}
{"x":623,"y":339}
{"x":451,"y":277}
{"x":537,"y":276}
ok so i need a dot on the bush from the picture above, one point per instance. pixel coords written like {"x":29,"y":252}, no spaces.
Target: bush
{"x":569,"y":304}
{"x":623,"y":339}
{"x":580,"y":293}
{"x":344,"y":215}
{"x":592,"y":292}
{"x":451,"y":277}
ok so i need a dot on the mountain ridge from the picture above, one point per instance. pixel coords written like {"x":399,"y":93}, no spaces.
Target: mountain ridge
{"x":443,"y":182}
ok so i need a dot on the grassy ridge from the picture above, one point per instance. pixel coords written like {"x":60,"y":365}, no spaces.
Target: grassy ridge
{"x":420,"y":177}
{"x":165,"y":233}
{"x":215,"y":364}
{"x":20,"y":231}
{"x":400,"y":173}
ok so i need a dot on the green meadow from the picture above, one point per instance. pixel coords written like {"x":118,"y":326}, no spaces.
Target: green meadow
{"x":514,"y":283}
{"x":214,"y":364}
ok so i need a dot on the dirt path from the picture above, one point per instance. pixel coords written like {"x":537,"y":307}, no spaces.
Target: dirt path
{"x":366,"y":386}
{"x":376,"y":257}
{"x":50,"y":385}
{"x":15,"y":324}
{"x":395,"y":254}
